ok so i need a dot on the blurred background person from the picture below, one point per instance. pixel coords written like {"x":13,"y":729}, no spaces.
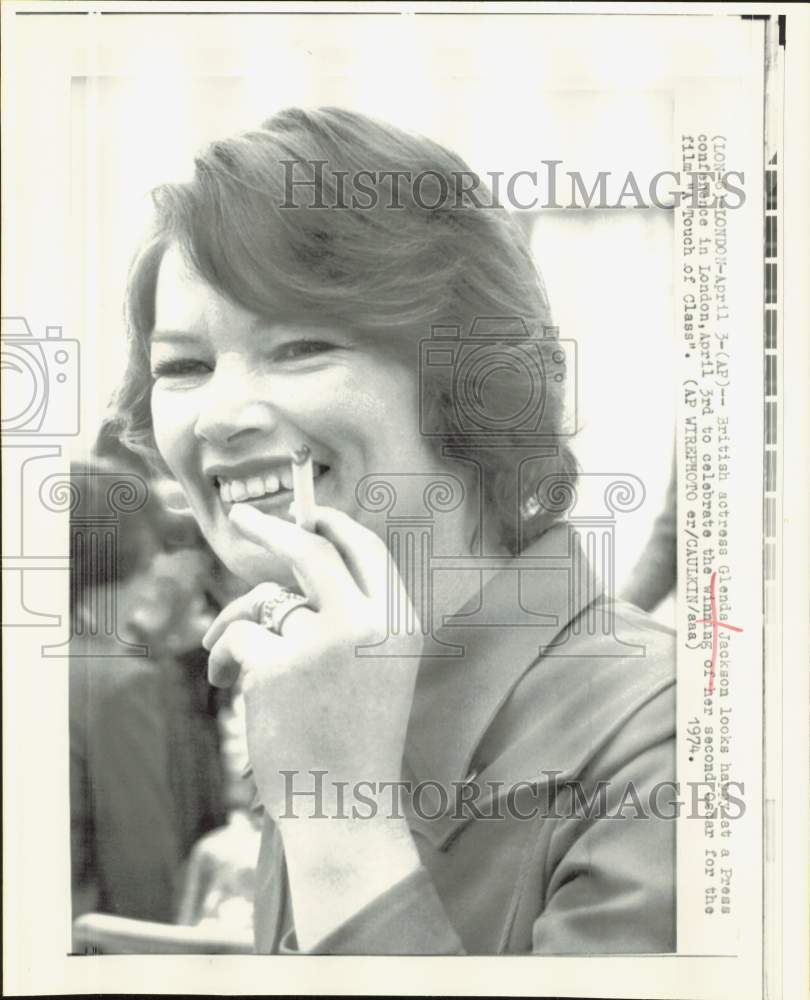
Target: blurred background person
{"x":145,"y":767}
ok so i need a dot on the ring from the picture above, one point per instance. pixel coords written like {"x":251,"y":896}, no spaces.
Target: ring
{"x":276,"y":608}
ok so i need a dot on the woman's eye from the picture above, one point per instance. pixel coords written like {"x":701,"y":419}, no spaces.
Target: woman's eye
{"x":302,"y":349}
{"x":178,"y":368}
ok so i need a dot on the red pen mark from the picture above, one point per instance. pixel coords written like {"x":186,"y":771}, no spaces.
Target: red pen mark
{"x":716,"y":625}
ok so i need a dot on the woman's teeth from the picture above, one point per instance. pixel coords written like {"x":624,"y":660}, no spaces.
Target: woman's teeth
{"x":236,"y":490}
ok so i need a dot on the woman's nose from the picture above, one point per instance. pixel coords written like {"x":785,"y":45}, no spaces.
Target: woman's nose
{"x":234,"y":404}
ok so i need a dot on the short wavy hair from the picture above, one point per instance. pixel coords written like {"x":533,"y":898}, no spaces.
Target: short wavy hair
{"x":393,"y":273}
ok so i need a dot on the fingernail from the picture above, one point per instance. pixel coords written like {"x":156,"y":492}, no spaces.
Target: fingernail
{"x":209,"y":634}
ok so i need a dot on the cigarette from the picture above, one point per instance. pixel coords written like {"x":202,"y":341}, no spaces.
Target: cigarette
{"x":303,"y":488}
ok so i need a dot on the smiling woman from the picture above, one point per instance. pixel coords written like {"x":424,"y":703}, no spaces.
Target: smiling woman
{"x":409,"y":348}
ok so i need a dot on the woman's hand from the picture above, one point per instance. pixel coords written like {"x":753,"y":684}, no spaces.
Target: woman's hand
{"x":313,"y":701}
{"x":325,"y":724}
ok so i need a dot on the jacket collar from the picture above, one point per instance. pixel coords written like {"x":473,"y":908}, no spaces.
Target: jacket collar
{"x":457,"y":697}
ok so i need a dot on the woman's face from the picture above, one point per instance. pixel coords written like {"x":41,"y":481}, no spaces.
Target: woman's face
{"x":234,"y":394}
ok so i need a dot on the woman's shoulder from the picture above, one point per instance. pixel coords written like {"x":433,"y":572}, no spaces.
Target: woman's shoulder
{"x":609,"y":688}
{"x":615,"y":645}
{"x":612,"y":652}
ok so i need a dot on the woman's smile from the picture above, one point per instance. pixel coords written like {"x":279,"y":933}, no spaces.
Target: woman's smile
{"x":265,"y":483}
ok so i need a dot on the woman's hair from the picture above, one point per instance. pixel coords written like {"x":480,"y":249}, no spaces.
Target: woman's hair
{"x":327,"y":216}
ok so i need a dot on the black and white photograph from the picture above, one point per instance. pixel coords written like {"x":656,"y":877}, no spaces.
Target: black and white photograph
{"x":396,"y":460}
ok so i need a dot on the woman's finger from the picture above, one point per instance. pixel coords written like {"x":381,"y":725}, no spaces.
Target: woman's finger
{"x":366,"y":555}
{"x":298,"y":623}
{"x":324,"y":576}
{"x":241,"y":644}
{"x":248,"y":607}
